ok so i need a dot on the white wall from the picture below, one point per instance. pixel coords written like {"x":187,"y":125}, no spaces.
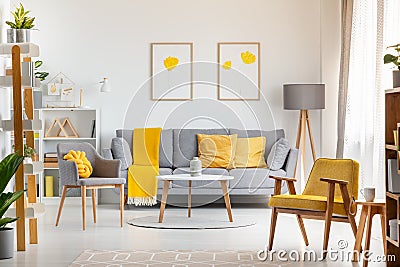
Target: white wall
{"x":330,"y":62}
{"x":90,"y":39}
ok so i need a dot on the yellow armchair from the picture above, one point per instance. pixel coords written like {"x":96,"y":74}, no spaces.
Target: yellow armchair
{"x":327,"y":196}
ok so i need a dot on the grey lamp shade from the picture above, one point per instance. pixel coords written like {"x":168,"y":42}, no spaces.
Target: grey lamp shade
{"x":303,"y":96}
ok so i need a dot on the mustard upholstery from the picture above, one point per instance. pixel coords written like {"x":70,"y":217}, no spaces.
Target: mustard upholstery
{"x":217,"y":151}
{"x":250,"y":152}
{"x":314,"y":196}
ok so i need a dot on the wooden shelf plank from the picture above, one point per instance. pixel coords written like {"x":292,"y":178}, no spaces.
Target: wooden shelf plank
{"x":393,"y":195}
{"x":394,"y":242}
{"x":392,"y":90}
{"x":67,"y":138}
{"x":391,"y":147}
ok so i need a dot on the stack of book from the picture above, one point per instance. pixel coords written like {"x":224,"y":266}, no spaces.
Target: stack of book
{"x":50,"y":160}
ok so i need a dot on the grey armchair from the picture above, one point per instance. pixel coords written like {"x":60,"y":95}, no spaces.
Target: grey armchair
{"x":105,"y":175}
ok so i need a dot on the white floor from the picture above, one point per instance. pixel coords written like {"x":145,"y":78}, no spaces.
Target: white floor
{"x":60,"y":246}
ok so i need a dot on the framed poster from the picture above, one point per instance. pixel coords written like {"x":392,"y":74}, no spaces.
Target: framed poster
{"x":239,"y":71}
{"x":171,"y":71}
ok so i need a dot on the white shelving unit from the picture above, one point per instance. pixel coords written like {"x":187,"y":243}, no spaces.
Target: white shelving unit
{"x":81,"y":119}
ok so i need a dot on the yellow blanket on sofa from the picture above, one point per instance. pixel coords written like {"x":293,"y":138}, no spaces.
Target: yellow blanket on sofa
{"x":142,"y":182}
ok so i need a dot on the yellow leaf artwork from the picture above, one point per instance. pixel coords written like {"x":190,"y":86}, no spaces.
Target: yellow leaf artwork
{"x":53,"y":88}
{"x":170,"y":63}
{"x":248,"y":58}
{"x":227,"y":65}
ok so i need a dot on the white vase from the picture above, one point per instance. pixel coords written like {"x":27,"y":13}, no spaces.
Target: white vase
{"x":195,"y":167}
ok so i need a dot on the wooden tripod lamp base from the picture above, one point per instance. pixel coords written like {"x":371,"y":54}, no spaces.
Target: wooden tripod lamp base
{"x":304,"y":122}
{"x":304,"y":97}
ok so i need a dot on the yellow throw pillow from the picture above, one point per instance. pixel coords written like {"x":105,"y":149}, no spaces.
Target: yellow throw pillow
{"x":250,"y":152}
{"x":217,"y":151}
{"x":79,"y":157}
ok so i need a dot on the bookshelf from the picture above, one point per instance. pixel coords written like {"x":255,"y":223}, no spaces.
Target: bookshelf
{"x":392,"y":122}
{"x":82,"y":120}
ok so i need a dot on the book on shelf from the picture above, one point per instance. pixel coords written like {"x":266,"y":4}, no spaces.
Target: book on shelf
{"x":50,"y":159}
{"x":50,"y":164}
{"x":50,"y":155}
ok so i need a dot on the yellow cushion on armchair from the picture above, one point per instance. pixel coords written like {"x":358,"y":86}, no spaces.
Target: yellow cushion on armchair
{"x":84,"y":166}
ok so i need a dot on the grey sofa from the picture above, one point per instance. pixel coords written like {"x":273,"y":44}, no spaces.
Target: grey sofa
{"x":179,"y":146}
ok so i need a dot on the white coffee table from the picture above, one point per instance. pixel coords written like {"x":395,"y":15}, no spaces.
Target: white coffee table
{"x":186,"y":177}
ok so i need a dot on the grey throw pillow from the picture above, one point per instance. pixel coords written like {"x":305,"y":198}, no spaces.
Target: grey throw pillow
{"x":120,"y":150}
{"x":277,"y":156}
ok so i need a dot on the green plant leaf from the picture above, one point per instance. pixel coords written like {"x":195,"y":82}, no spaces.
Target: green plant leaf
{"x":7,"y":199}
{"x":8,"y":167}
{"x":5,"y":221}
{"x":11,"y":24}
{"x":38,"y":63}
{"x":389,"y":58}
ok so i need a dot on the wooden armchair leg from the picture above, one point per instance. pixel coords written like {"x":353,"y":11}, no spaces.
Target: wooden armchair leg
{"x":302,"y":229}
{"x":346,"y":202}
{"x":328,"y":217}
{"x":274,"y":217}
{"x":64,"y":192}
{"x":83,"y":193}
{"x":94,"y":205}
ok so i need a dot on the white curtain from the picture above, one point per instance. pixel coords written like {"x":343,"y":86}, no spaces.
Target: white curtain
{"x":373,"y":28}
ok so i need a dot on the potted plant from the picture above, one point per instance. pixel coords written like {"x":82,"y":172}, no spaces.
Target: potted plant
{"x":8,"y":167}
{"x":28,"y":153}
{"x":395,"y":59}
{"x":20,"y":27}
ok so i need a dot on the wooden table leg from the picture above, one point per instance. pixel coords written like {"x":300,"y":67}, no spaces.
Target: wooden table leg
{"x":368,"y":234}
{"x":383,"y":226}
{"x":227,"y":200}
{"x":360,"y":232}
{"x":163,"y":200}
{"x":190,"y":198}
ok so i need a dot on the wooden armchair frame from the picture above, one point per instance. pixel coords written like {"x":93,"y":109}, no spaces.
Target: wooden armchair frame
{"x":326,"y":215}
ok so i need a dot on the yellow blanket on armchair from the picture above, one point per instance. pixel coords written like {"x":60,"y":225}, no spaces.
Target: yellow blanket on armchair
{"x":142,"y":182}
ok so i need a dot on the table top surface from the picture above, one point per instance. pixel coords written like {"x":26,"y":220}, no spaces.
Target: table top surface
{"x":187,"y":177}
{"x":376,"y":202}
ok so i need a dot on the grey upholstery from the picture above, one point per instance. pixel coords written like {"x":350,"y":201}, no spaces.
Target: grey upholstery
{"x":106,"y":153}
{"x":165,"y":156}
{"x":102,"y":168}
{"x":200,"y":184}
{"x":179,"y":146}
{"x":270,"y":136}
{"x":291,"y":161}
{"x":100,"y":181}
{"x":253,"y":178}
{"x":121,"y":150}
{"x":185,"y":144}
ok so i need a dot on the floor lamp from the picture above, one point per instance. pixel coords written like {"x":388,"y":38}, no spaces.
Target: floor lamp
{"x":304,"y":97}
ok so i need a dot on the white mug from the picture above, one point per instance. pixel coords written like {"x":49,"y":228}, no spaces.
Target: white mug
{"x":368,"y":193}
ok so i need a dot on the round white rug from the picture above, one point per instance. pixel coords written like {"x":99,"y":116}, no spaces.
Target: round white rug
{"x":181,"y":222}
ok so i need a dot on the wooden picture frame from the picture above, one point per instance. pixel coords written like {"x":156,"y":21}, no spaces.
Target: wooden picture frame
{"x":239,"y":71}
{"x":172,"y":71}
